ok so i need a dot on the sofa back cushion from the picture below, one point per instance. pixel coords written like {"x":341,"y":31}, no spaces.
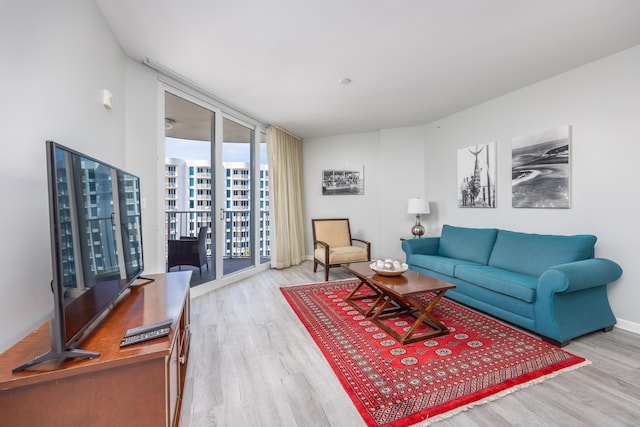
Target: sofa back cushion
{"x":533,"y":253}
{"x":469,"y":244}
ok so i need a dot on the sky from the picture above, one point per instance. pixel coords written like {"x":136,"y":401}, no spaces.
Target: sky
{"x":199,"y":150}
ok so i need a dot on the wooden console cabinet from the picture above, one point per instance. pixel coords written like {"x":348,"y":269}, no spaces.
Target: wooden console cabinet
{"x":138,"y":385}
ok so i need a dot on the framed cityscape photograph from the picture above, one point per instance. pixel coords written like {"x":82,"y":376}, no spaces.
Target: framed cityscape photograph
{"x":477,"y":176}
{"x":541,"y":169}
{"x":345,"y":181}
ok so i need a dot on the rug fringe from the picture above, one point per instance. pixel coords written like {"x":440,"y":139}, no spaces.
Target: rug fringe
{"x":498,"y":395}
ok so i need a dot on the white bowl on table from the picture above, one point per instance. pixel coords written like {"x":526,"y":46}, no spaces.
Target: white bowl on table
{"x":389,"y":271}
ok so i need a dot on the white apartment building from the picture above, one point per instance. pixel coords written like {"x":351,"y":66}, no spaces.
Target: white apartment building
{"x":188,"y":204}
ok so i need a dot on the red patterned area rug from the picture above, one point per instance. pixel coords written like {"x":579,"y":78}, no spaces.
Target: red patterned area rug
{"x":393,"y":385}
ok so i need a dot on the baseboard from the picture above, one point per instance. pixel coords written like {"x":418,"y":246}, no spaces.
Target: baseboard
{"x":628,"y":326}
{"x":228,"y":280}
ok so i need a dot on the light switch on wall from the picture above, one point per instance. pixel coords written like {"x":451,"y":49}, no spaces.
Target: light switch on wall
{"x":107,"y":99}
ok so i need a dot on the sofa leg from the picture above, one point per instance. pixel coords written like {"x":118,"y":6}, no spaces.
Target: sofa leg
{"x":326,"y":273}
{"x":608,"y":329}
{"x":554,"y":342}
{"x":315,"y":266}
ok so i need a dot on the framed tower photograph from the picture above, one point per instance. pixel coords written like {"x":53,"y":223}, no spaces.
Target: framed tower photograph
{"x":477,"y":176}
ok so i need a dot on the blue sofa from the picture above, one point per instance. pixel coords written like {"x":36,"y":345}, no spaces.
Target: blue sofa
{"x":551,"y":285}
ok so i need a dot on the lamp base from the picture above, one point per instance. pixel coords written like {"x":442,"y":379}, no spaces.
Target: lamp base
{"x":417,"y":230}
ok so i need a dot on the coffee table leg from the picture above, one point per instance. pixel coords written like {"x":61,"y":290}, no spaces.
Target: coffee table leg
{"x":425,"y":316}
{"x":429,"y":308}
{"x":378,"y":295}
{"x":352,"y":298}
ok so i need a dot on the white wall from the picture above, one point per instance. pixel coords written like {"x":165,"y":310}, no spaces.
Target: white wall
{"x":57,"y":57}
{"x":145,"y":156}
{"x":601,"y":102}
{"x":343,"y":152}
{"x":393,"y":173}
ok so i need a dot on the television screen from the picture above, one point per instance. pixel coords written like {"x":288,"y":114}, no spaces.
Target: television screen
{"x":96,"y":243}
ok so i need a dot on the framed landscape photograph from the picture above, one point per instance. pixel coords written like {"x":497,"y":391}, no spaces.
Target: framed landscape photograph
{"x":540,"y":169}
{"x":345,"y":181}
{"x":477,"y":176}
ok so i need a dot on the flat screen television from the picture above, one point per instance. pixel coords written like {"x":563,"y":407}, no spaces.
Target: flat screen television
{"x":96,"y":244}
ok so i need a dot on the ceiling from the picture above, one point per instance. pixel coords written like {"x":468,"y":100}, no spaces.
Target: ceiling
{"x":410,"y":61}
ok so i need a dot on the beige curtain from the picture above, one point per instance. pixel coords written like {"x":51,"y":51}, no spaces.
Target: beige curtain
{"x":285,"y":179}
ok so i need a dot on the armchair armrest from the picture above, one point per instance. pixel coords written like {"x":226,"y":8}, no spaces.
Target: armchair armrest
{"x":579,"y":275}
{"x":422,"y":246}
{"x":321,"y":243}
{"x":366,"y":243}
{"x":362,"y":241}
{"x":325,"y":246}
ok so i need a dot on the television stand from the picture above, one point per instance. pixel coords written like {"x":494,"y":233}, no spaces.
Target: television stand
{"x":67,"y":354}
{"x":138,"y":385}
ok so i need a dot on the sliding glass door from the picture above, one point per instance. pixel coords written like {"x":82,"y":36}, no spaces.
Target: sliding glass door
{"x":236,"y":210}
{"x":216,"y":176}
{"x":189,"y":140}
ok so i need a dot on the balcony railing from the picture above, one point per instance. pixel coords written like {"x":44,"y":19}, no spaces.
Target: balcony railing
{"x":237,"y":243}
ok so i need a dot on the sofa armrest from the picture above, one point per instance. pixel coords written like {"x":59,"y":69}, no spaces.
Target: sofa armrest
{"x":422,"y":246}
{"x":572,"y":299}
{"x":579,"y":275}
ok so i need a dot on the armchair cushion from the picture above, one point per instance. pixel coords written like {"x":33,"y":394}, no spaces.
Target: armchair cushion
{"x":334,"y":233}
{"x":343,"y":255}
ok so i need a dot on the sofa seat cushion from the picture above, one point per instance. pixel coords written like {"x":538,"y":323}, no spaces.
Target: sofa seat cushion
{"x":516,"y":285}
{"x":343,"y":254}
{"x":469,"y":244}
{"x":439,"y":264}
{"x":532,"y":254}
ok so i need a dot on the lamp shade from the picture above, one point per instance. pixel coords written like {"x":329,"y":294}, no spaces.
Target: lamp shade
{"x":418,"y":206}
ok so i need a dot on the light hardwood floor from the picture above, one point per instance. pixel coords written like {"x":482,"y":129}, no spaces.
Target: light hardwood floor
{"x":252,"y":363}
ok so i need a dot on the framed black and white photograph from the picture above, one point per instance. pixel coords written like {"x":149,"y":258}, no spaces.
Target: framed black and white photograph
{"x":540,"y":169}
{"x":477,"y":176}
{"x":345,"y":181}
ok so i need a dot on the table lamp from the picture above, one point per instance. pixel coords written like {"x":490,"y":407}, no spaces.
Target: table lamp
{"x":418,"y":207}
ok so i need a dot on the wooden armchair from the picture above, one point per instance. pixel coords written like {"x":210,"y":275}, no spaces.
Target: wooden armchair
{"x":188,"y":251}
{"x":333,"y":244}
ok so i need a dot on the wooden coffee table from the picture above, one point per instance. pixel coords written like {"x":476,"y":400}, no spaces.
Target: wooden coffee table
{"x":396,"y":295}
{"x":369,"y":291}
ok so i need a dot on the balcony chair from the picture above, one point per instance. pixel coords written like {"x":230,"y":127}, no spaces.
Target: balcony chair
{"x":333,"y":244}
{"x":189,"y":251}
